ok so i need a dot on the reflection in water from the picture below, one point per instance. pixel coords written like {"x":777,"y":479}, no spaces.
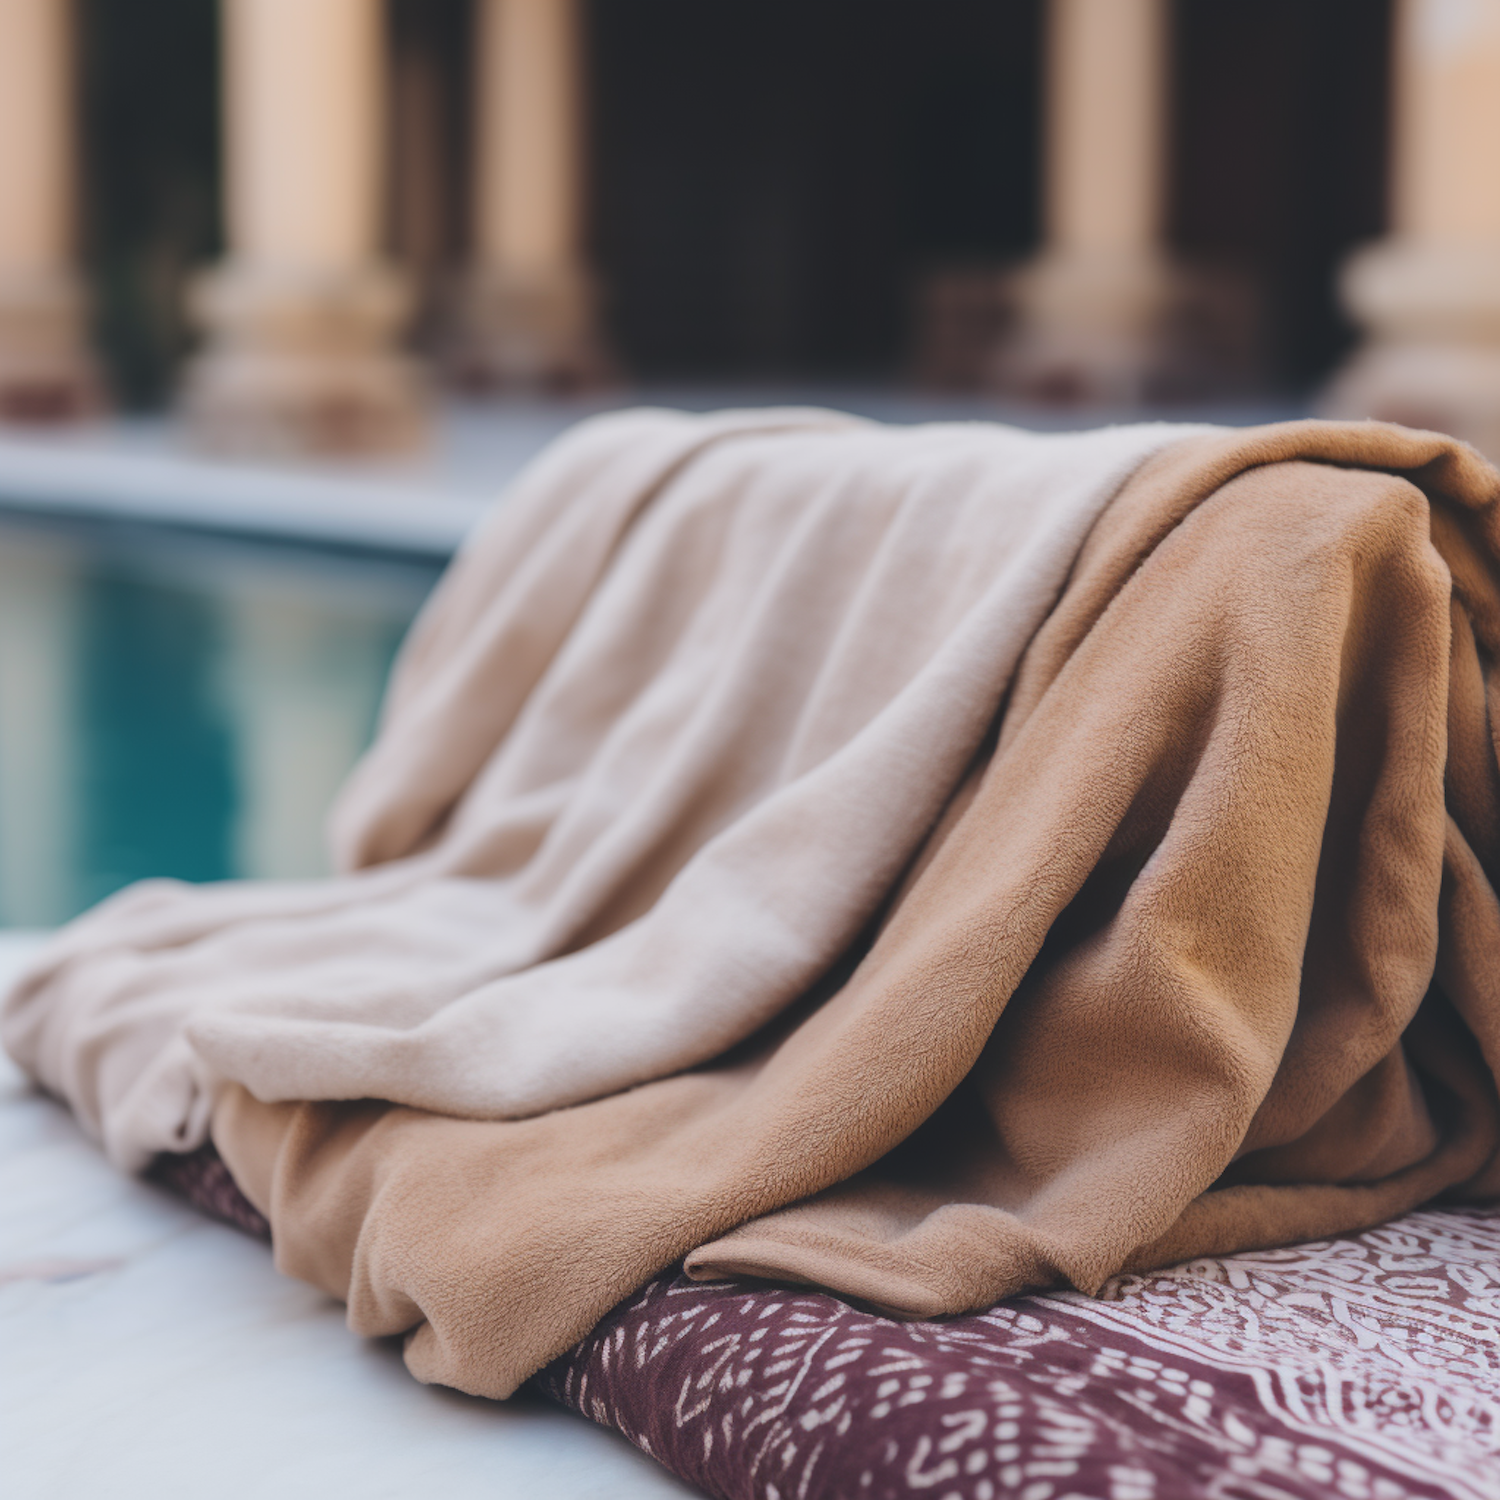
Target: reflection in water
{"x":298,"y":682}
{"x":154,"y":756}
{"x":179,"y":705}
{"x":39,"y":741}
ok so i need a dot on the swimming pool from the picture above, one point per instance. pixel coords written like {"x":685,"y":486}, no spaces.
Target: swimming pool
{"x":179,"y":703}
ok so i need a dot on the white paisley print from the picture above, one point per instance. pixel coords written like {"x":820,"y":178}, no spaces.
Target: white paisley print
{"x":1360,"y":1368}
{"x":1366,"y":1367}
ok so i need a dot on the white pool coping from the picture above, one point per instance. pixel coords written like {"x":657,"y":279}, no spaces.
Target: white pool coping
{"x":142,"y":470}
{"x":186,"y":491}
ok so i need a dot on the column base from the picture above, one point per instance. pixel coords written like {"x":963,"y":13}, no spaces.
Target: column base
{"x":961,"y":321}
{"x":47,"y":374}
{"x":1120,"y":331}
{"x":527,"y":331}
{"x":302,"y":363}
{"x":1432,"y":355}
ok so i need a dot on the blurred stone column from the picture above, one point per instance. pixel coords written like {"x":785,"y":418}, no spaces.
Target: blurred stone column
{"x":1429,"y":295}
{"x":303,"y":317}
{"x":527,"y":308}
{"x":1093,"y":309}
{"x":46,"y":373}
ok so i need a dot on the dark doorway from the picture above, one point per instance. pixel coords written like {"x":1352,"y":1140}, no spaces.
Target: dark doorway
{"x":430,"y":160}
{"x":1279,"y":157}
{"x":771,"y":180}
{"x":150,"y":146}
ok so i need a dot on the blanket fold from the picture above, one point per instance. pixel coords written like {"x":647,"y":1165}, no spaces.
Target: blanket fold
{"x":1014,"y":896}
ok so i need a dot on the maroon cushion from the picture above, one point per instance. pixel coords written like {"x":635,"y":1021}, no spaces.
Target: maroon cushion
{"x":202,"y":1178}
{"x":1366,"y":1367}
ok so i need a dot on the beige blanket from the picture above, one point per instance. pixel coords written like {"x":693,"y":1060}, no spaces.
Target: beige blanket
{"x":1203,"y":955}
{"x":666,"y":735}
{"x":1193,"y":944}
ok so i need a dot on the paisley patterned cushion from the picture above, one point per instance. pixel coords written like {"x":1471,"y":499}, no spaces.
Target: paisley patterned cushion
{"x":1365,"y":1367}
{"x":202,"y":1178}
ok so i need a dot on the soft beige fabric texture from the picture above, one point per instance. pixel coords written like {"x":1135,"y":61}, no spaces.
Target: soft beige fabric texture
{"x":666,"y":735}
{"x":1203,"y":954}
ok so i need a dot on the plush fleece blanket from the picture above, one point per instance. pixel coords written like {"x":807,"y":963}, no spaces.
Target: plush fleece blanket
{"x":1010,"y":860}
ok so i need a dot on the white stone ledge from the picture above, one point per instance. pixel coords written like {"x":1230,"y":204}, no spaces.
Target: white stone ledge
{"x":72,"y":478}
{"x":138,"y":470}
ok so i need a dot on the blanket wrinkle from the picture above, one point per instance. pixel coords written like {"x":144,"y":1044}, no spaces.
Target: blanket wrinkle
{"x":1185,"y":940}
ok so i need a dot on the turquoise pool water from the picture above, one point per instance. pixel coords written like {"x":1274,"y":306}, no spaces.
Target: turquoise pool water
{"x":179,"y":704}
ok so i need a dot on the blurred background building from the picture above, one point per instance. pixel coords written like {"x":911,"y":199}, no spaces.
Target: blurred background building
{"x":296,"y":229}
{"x":299,"y":222}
